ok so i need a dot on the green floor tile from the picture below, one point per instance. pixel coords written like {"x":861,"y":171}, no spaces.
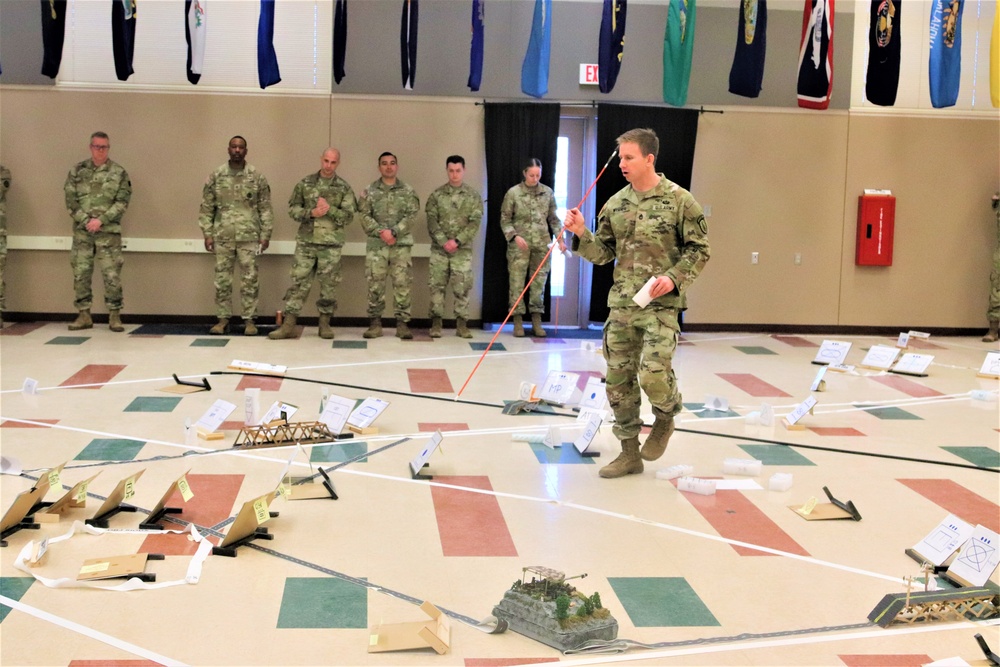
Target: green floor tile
{"x":565,"y":454}
{"x":350,"y":344}
{"x":776,"y":455}
{"x":479,"y":347}
{"x":754,"y":349}
{"x":13,"y":588}
{"x":153,"y":404}
{"x":891,"y":413}
{"x":68,"y":340}
{"x":696,"y":409}
{"x":311,"y":602}
{"x":657,"y":602}
{"x":209,"y":342}
{"x":979,"y":456}
{"x":110,"y":450}
{"x":339,"y":453}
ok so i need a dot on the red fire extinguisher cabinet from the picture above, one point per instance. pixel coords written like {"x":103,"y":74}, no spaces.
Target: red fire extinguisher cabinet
{"x":876,"y":221}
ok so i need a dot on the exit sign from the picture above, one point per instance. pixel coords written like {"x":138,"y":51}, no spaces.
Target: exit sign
{"x":588,"y":75}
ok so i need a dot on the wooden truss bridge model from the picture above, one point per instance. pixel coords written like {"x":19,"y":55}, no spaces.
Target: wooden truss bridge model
{"x":281,"y":433}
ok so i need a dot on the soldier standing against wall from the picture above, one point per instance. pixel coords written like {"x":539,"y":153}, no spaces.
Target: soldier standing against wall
{"x":4,"y":186}
{"x":454,"y":213}
{"x":323,"y":204}
{"x":652,"y":228}
{"x":388,"y":208}
{"x":528,"y":220}
{"x":236,"y":221}
{"x":993,"y":312}
{"x":97,"y":193}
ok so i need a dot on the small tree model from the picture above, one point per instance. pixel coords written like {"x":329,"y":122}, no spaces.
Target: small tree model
{"x":562,"y":607}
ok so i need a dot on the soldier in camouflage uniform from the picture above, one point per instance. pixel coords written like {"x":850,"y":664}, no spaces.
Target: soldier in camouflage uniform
{"x":653,"y":228}
{"x":454,"y":213}
{"x":236,"y":220}
{"x":97,"y":193}
{"x":528,"y":220}
{"x":388,"y":208}
{"x":323,"y":204}
{"x":4,"y":186}
{"x":993,"y":311}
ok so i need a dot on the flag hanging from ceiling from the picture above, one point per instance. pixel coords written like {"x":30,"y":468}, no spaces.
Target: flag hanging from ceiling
{"x":408,"y":42}
{"x":678,"y":45}
{"x":612,"y":44}
{"x":945,"y":70}
{"x":995,"y":59}
{"x":535,"y":68}
{"x":123,"y":37}
{"x":746,"y":76}
{"x":476,"y":50}
{"x":267,"y":59}
{"x":882,"y":78}
{"x":339,"y":39}
{"x":194,"y":34}
{"x":815,"y":82}
{"x":53,"y":33}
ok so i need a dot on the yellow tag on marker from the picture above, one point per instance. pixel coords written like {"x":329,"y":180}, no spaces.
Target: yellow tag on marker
{"x":96,"y":567}
{"x":260,"y":509}
{"x":185,"y":489}
{"x":54,"y":479}
{"x":81,"y":494}
{"x":129,"y":487}
{"x":809,"y":506}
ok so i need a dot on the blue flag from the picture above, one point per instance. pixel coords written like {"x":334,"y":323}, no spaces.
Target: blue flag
{"x":612,"y":44}
{"x":339,"y":40}
{"x":267,"y":59}
{"x":408,"y":42}
{"x":123,"y":37}
{"x":53,"y":34}
{"x":946,"y":52}
{"x":535,"y":69}
{"x":746,"y":76}
{"x":476,"y":51}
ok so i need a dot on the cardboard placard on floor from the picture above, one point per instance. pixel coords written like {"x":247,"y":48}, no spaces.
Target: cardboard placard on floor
{"x":110,"y":567}
{"x":435,"y":633}
{"x":75,"y":497}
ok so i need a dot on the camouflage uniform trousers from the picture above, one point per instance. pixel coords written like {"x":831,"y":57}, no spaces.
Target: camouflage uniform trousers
{"x":394,"y":261}
{"x":521,"y":265}
{"x":106,"y":250}
{"x":314,"y":260}
{"x":455,"y":269}
{"x":3,"y":267}
{"x":993,"y":312}
{"x":639,"y":347}
{"x":227,"y":255}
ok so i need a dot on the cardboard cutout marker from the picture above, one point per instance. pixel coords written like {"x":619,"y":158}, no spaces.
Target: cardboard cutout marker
{"x":435,"y":634}
{"x":115,"y":503}
{"x":246,"y":527}
{"x":75,"y":497}
{"x":114,"y":567}
{"x":835,"y":509}
{"x":160,"y":510}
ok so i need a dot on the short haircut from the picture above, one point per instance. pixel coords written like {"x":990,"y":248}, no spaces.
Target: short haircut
{"x":644,"y":138}
{"x":532,"y":162}
{"x":387,"y":154}
{"x":99,"y":135}
{"x":455,"y":159}
{"x":240,"y":138}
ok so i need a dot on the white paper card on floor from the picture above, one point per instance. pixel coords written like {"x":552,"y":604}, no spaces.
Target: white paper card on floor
{"x":336,"y":411}
{"x":913,"y":364}
{"x":30,"y":387}
{"x":366,"y":413}
{"x":801,"y":410}
{"x":978,"y":558}
{"x":832,"y":352}
{"x":819,"y":382}
{"x":594,"y":394}
{"x":590,"y":431}
{"x":945,"y":539}
{"x":766,"y":414}
{"x":251,"y":406}
{"x":257,"y":367}
{"x":553,"y":437}
{"x":425,"y":454}
{"x":274,"y":412}
{"x":903,"y":341}
{"x":526,"y":392}
{"x":559,"y":387}
{"x":880,"y":357}
{"x":991,"y":365}
{"x":215,"y":415}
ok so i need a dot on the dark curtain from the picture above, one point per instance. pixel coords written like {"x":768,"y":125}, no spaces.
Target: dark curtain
{"x":514,"y":133}
{"x":677,"y":130}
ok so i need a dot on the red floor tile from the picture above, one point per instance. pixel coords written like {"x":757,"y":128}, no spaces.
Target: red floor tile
{"x":752,"y":385}
{"x":885,"y":660}
{"x":232,"y":425}
{"x":259,"y":382}
{"x":795,"y":341}
{"x":214,"y":501}
{"x":835,"y":430}
{"x":470,"y":524}
{"x":113,"y":663}
{"x":11,"y":424}
{"x":430,"y":427}
{"x":429,"y":381}
{"x":21,"y":328}
{"x":958,"y":500}
{"x":907,"y":386}
{"x":93,"y":374}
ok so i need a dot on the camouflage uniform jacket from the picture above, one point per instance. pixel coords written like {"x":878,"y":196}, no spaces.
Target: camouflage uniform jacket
{"x":391,"y":207}
{"x":454,"y":213}
{"x":327,"y":229}
{"x":98,"y":192}
{"x":236,"y":205}
{"x":525,"y":212}
{"x":662,"y":232}
{"x":4,"y":186}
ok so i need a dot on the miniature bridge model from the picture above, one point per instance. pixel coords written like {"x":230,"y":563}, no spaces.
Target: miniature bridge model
{"x":280,"y":433}
{"x":930,"y":606}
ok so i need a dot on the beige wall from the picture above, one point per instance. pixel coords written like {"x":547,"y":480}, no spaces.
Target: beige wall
{"x":779,"y":182}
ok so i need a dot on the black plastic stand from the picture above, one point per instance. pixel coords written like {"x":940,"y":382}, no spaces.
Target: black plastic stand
{"x":328,"y":483}
{"x":203,"y":384}
{"x":26,"y":524}
{"x":847,"y":507}
{"x":102,"y":520}
{"x":415,"y":474}
{"x":990,"y":655}
{"x":230,"y":551}
{"x":152,"y":522}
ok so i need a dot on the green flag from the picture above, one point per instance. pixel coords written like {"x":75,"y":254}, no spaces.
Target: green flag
{"x":678,"y":44}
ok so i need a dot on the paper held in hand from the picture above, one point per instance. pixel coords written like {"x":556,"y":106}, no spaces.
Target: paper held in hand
{"x":643,"y":297}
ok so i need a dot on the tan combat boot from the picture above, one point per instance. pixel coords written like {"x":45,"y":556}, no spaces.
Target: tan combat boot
{"x":403,"y":331}
{"x":536,"y":326}
{"x":627,"y":463}
{"x":656,"y":441}
{"x":286,"y":330}
{"x":249,"y":328}
{"x":462,"y":328}
{"x":325,"y":330}
{"x":374,"y":329}
{"x":518,"y":327}
{"x":82,"y":321}
{"x":992,"y":335}
{"x":115,"y":321}
{"x":436,"y":327}
{"x":220,"y":327}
